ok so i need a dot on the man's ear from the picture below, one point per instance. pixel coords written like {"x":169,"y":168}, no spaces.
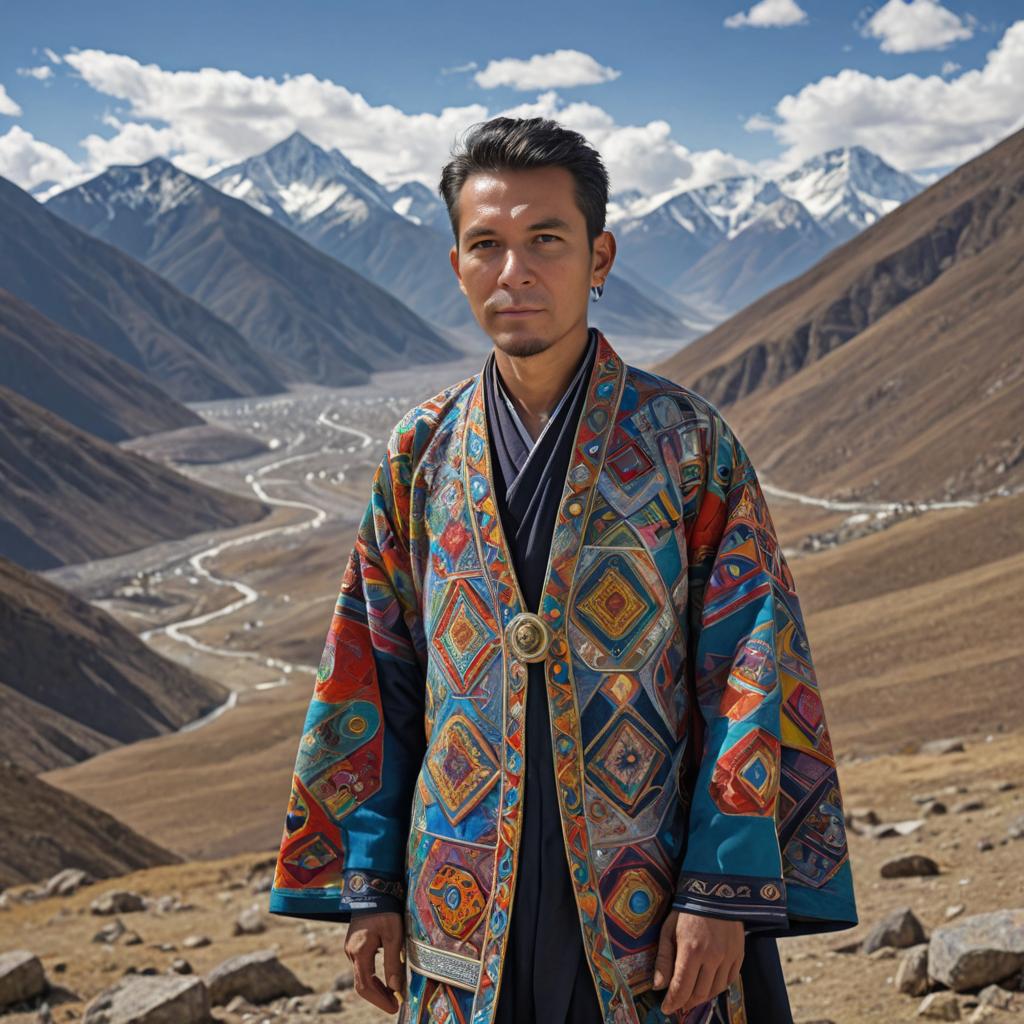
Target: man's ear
{"x":453,"y":256}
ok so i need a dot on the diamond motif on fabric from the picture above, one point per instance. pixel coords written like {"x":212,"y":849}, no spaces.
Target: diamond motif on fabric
{"x":745,"y":779}
{"x":463,"y":639}
{"x":624,"y":759}
{"x":462,"y":767}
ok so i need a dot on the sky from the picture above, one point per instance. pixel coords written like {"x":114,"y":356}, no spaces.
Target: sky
{"x":673,"y":94}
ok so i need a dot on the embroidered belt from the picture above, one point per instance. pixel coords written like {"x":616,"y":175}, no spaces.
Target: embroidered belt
{"x":528,"y":636}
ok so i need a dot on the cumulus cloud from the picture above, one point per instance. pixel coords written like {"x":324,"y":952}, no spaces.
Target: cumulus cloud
{"x":768,"y":14}
{"x":918,"y":25}
{"x":30,"y":162}
{"x":7,"y":105}
{"x":561,"y":69}
{"x":53,"y":58}
{"x":43,"y":72}
{"x":912,"y":121}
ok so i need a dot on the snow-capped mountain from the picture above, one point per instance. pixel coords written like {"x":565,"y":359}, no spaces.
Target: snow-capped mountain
{"x":318,"y":319}
{"x":414,"y":201}
{"x":722,"y":245}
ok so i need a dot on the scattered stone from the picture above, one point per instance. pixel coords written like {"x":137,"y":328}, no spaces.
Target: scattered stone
{"x":181,"y":966}
{"x":954,"y":911}
{"x":110,"y":932}
{"x":863,"y":815}
{"x":171,"y":904}
{"x":923,"y":798}
{"x":259,"y":976}
{"x":940,"y":1006}
{"x":910,"y":865}
{"x":952,"y":745}
{"x":971,"y":804}
{"x":1003,"y":785}
{"x":241,"y":1006}
{"x":262,"y":882}
{"x":163,"y":999}
{"x":901,"y":928}
{"x":996,"y":996}
{"x":65,"y":882}
{"x":984,"y":844}
{"x":329,"y":1002}
{"x":343,"y":982}
{"x":883,"y":953}
{"x":21,"y":977}
{"x":895,"y":828}
{"x":978,"y":950}
{"x":250,"y":922}
{"x":912,"y":973}
{"x":933,"y":807}
{"x":1015,"y":830}
{"x":196,"y":941}
{"x":132,"y":939}
{"x":117,"y":901}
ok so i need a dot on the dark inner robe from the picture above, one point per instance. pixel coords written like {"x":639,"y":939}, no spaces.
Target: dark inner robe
{"x":546,"y":977}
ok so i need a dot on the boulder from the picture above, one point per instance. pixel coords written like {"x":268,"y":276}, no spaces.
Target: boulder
{"x":21,"y":977}
{"x":65,"y":882}
{"x":940,"y":1006}
{"x":258,"y":976}
{"x":117,"y":901}
{"x":901,"y":928}
{"x":978,"y":950}
{"x":910,"y":865}
{"x":156,"y":999}
{"x":912,"y":973}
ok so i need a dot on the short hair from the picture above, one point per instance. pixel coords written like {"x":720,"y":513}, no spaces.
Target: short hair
{"x":522,"y":143}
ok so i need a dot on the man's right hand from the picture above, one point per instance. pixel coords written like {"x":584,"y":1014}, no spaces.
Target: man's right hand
{"x":366,"y":934}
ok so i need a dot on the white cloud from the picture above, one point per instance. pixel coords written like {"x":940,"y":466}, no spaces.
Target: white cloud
{"x":911,"y":121}
{"x":918,"y":25}
{"x":29,"y":162}
{"x":768,"y":14}
{"x":460,"y":68}
{"x":561,"y":69}
{"x":42,"y":72}
{"x":948,"y":67}
{"x":53,"y":58}
{"x":7,"y":105}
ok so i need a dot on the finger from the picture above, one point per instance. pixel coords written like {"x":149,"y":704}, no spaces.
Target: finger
{"x":394,"y":971}
{"x":703,"y":988}
{"x":734,"y":973}
{"x":683,"y":978}
{"x":665,"y":959}
{"x":719,"y":983}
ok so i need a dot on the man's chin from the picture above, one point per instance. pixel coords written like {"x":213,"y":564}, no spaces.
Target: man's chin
{"x":519,"y":345}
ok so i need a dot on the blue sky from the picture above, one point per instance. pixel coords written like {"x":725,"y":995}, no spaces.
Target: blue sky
{"x":672,"y":93}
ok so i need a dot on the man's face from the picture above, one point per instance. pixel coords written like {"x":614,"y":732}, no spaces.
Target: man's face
{"x":523,"y":243}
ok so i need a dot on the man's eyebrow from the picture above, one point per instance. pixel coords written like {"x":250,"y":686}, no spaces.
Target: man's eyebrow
{"x":549,"y":222}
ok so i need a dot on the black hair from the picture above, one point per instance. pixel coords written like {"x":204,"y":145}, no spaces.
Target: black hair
{"x":521,"y":143}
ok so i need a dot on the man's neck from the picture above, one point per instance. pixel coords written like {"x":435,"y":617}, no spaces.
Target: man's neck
{"x":536,"y":383}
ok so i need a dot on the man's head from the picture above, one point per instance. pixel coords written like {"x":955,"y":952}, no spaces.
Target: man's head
{"x":526,"y":199}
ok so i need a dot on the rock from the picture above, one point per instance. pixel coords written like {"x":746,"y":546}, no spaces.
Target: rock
{"x":953,"y":745}
{"x":241,"y":1006}
{"x":65,"y":882}
{"x":933,"y":807}
{"x":329,"y":1002}
{"x":344,"y":981}
{"x":954,"y":911}
{"x":978,"y":950}
{"x":912,"y":973}
{"x":1003,"y":785}
{"x":132,"y":939}
{"x":864,"y":815}
{"x":883,"y":953}
{"x":901,"y":928}
{"x":117,"y":901}
{"x":180,"y":965}
{"x":1015,"y":830}
{"x":259,"y":976}
{"x":940,"y":1006}
{"x":996,"y":996}
{"x":895,"y":828}
{"x":110,"y":932}
{"x":971,"y":804}
{"x":21,"y":977}
{"x":250,"y":922}
{"x":162,"y":999}
{"x":984,"y":844}
{"x":910,"y":865}
{"x":196,"y":941}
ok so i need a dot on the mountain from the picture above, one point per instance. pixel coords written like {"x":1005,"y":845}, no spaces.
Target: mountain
{"x":894,"y":366}
{"x":79,"y":381}
{"x":400,"y":239}
{"x":99,"y":293}
{"x":71,"y":497}
{"x":44,"y":830}
{"x":309,"y":313}
{"x":75,"y":682}
{"x":724,"y":244}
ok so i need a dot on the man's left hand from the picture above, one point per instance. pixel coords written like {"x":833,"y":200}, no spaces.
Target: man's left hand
{"x":698,"y":957}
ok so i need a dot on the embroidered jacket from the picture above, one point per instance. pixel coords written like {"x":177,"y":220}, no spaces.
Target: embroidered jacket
{"x":692,"y":758}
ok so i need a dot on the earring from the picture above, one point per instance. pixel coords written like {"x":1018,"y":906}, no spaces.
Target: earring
{"x":596,"y":290}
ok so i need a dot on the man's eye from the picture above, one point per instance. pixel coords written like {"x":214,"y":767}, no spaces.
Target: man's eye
{"x":484,"y":242}
{"x":555,"y":237}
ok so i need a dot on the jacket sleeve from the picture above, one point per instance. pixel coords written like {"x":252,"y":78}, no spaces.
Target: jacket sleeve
{"x":766,"y":842}
{"x":363,"y":740}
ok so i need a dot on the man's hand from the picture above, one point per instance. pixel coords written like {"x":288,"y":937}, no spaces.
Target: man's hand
{"x":366,"y":934}
{"x":698,"y":957}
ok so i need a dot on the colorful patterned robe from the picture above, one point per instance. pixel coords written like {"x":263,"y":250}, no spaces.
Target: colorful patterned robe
{"x":693,"y":762}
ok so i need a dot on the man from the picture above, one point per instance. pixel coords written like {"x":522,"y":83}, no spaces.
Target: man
{"x":566,"y":749}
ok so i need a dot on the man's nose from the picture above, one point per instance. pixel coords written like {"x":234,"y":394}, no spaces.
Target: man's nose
{"x":516,"y":270}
